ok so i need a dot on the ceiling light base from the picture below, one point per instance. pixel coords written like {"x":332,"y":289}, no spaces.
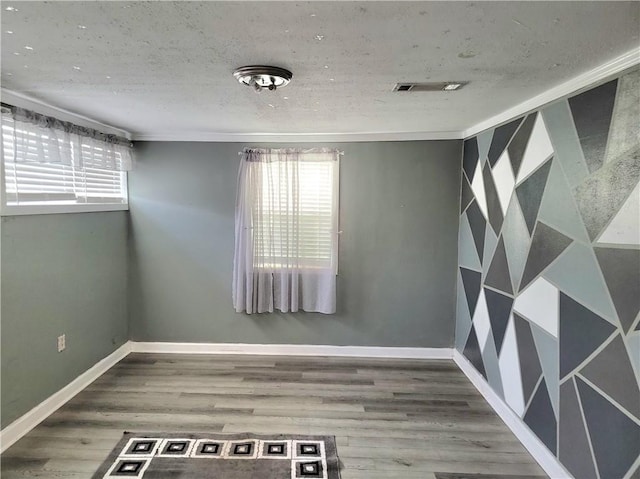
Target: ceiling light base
{"x":260,"y":77}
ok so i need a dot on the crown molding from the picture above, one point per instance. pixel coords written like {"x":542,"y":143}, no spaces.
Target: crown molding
{"x":299,"y":137}
{"x":23,"y":101}
{"x":583,"y":81}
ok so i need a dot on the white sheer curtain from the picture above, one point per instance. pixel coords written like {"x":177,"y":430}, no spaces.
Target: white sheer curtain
{"x":43,"y":139}
{"x":286,"y":231}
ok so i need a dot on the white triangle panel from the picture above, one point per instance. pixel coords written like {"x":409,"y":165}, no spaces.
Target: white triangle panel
{"x":538,"y":150}
{"x":504,"y":180}
{"x":509,"y":363}
{"x":625,"y":226}
{"x":539,"y":304}
{"x":477,"y":186}
{"x":481,"y":321}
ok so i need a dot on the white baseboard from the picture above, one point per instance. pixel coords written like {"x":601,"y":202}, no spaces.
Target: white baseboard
{"x":21,"y":426}
{"x":529,"y":440}
{"x":292,"y":350}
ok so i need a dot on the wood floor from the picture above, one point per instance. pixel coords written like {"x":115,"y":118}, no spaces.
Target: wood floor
{"x":391,"y":418}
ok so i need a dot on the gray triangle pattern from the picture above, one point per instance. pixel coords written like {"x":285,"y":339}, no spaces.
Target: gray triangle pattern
{"x":549,"y":356}
{"x":473,"y":354}
{"x":573,"y":444}
{"x":613,"y":183}
{"x":478,"y":225}
{"x":541,"y":418}
{"x":519,"y":143}
{"x":530,"y":368}
{"x":484,"y":143}
{"x":576,"y":272}
{"x":501,"y":138}
{"x":499,"y":309}
{"x":591,"y":113}
{"x":490,"y":243}
{"x":614,"y":436}
{"x":467,"y":253}
{"x":581,"y":333}
{"x":547,"y":244}
{"x":633,"y":344}
{"x":625,"y":127}
{"x":498,"y":276}
{"x":558,"y":208}
{"x":466,"y":194}
{"x":463,"y":318}
{"x":566,"y":146}
{"x":471,"y":281}
{"x":470,"y":157}
{"x":621,"y":386}
{"x":490,"y":360}
{"x":621,"y":270}
{"x":493,"y":203}
{"x":516,"y":240}
{"x":530,"y":194}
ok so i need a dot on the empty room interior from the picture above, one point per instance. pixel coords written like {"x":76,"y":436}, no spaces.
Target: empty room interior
{"x":288,"y":239}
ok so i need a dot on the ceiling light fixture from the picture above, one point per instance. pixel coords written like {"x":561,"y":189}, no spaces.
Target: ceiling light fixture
{"x":260,"y":77}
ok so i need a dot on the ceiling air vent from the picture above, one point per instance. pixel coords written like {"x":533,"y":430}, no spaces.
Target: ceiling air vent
{"x":403,"y":86}
{"x":433,"y":86}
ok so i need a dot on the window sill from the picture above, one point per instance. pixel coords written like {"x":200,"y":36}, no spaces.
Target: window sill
{"x":15,"y":210}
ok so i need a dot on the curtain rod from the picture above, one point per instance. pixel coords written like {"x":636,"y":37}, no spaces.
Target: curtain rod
{"x":53,"y":122}
{"x":303,"y":150}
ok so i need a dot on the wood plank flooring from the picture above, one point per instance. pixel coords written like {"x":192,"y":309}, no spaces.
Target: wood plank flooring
{"x":405,"y":419}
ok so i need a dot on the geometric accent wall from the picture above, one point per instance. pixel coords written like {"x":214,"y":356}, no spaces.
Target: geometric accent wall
{"x":549,"y":274}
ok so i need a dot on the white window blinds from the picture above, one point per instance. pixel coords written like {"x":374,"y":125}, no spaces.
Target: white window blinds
{"x":53,"y":183}
{"x":296,"y":201}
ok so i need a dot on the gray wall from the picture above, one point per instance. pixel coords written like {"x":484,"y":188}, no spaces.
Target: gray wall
{"x":549,"y":290}
{"x":63,"y":273}
{"x":396,"y":285}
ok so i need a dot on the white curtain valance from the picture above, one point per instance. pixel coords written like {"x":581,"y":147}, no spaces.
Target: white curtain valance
{"x":44,"y":139}
{"x":267,"y":155}
{"x":286,"y":234}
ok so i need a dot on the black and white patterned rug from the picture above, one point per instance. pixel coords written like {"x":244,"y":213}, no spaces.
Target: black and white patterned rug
{"x":228,"y":456}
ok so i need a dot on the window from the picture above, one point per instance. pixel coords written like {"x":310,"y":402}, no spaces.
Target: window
{"x":286,"y":250}
{"x":297,"y":203}
{"x":32,"y":185}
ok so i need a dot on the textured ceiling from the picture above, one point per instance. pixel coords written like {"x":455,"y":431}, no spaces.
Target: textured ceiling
{"x":166,"y":67}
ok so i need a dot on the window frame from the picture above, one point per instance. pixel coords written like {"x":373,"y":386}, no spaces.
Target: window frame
{"x":43,"y":209}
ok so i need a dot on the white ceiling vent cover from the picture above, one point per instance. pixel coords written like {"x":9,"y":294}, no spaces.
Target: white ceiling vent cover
{"x":430,"y":86}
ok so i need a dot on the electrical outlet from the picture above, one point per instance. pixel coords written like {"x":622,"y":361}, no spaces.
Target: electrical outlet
{"x":62,"y":343}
